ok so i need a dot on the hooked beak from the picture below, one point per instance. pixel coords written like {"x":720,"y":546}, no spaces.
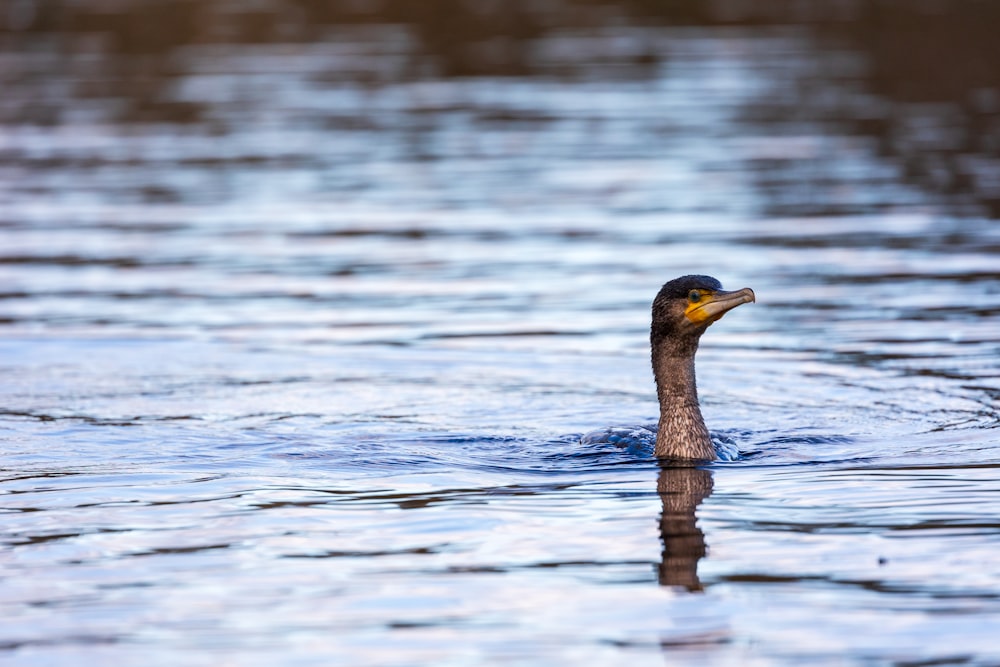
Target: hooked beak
{"x":713,"y":306}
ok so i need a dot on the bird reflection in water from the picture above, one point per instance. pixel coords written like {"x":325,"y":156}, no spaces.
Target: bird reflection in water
{"x":681,"y":490}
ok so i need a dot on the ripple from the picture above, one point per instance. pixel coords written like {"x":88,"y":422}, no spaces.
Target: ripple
{"x":299,"y":333}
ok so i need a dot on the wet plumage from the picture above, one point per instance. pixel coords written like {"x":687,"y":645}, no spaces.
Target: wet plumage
{"x":682,"y":311}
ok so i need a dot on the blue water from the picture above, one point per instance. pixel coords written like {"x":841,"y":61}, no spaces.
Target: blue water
{"x":302,"y":380}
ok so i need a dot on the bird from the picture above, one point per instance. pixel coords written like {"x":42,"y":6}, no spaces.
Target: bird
{"x":682,"y":311}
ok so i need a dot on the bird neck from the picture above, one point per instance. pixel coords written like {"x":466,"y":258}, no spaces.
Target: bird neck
{"x":681,"y":433}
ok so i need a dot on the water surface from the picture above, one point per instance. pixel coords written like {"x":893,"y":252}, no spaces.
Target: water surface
{"x":298,"y":338}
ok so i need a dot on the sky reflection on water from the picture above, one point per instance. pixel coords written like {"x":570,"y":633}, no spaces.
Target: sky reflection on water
{"x":303,"y":310}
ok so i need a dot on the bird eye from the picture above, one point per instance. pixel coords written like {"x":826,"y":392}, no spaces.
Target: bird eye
{"x":694,"y":296}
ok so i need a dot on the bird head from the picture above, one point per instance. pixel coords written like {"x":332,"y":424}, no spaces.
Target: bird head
{"x":687,"y":306}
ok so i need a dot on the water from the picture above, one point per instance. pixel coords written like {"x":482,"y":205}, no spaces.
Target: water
{"x":298,"y":336}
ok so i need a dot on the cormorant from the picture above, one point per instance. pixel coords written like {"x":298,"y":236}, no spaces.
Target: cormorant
{"x":684,"y":308}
